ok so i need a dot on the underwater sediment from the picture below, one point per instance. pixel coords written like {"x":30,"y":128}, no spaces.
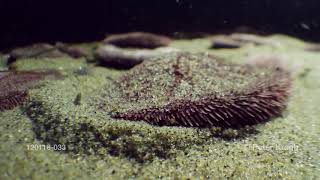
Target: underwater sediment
{"x":78,"y":112}
{"x":87,"y":121}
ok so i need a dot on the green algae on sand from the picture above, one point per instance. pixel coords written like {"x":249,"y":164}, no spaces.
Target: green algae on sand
{"x":3,"y":62}
{"x":63,"y":64}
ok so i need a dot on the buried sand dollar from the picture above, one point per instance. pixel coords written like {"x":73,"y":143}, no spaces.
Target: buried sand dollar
{"x":198,"y":90}
{"x":14,"y":85}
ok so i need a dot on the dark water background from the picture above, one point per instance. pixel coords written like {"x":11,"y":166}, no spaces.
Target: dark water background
{"x":30,"y":21}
